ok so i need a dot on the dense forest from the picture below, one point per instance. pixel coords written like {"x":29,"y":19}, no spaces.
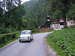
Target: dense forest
{"x":33,"y":13}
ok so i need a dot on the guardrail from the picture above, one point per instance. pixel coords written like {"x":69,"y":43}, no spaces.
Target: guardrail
{"x":7,"y":38}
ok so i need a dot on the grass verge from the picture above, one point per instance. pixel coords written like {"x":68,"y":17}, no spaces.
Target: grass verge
{"x":63,"y":41}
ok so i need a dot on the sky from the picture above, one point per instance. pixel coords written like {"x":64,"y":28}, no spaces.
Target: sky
{"x":23,"y":1}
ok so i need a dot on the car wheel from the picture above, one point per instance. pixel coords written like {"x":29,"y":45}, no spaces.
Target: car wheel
{"x":20,"y":41}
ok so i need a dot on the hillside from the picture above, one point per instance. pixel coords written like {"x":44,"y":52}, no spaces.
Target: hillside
{"x":33,"y":13}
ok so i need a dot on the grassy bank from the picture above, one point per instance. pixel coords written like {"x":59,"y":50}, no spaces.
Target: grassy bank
{"x":63,"y":42}
{"x":7,"y":38}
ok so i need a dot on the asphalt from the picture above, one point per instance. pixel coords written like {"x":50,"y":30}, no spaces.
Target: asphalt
{"x":35,"y":48}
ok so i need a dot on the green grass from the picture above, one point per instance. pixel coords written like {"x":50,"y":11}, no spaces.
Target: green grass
{"x":63,"y":41}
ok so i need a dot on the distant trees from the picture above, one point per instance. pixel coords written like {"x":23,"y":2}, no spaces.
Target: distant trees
{"x":33,"y":13}
{"x":62,"y":8}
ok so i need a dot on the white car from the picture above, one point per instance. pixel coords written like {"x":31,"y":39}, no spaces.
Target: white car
{"x":26,"y":35}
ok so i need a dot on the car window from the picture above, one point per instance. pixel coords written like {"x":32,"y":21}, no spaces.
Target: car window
{"x":25,"y":32}
{"x":22,"y":32}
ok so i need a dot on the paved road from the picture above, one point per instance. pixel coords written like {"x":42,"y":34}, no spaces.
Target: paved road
{"x":36,"y":48}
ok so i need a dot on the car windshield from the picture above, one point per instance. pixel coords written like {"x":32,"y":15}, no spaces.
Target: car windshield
{"x":25,"y":32}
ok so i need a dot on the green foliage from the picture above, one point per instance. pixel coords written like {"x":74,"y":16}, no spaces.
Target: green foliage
{"x":12,"y":20}
{"x":7,"y":38}
{"x":61,"y":8}
{"x":57,"y":14}
{"x":71,"y":12}
{"x":63,"y":41}
{"x":33,"y":13}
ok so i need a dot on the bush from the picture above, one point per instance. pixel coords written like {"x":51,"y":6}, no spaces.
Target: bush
{"x":7,"y":38}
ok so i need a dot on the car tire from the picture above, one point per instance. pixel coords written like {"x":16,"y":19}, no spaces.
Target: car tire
{"x":20,"y":41}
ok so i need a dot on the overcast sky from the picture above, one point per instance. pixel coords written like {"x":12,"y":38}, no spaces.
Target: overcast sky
{"x":23,"y":1}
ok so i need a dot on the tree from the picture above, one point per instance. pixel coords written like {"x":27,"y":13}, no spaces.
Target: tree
{"x":8,"y":5}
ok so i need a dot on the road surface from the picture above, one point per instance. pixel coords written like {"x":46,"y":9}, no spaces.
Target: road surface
{"x":36,"y":48}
